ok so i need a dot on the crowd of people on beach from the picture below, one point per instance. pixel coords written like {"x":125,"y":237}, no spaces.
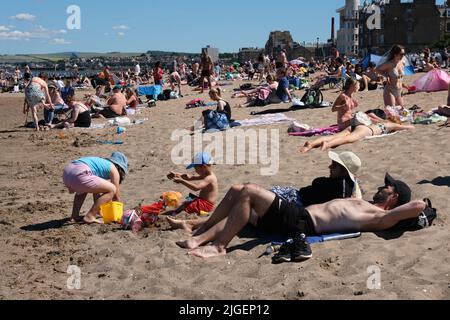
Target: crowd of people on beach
{"x":329,"y":205}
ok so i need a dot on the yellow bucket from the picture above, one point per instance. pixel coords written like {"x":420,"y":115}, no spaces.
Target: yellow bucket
{"x":112,"y":212}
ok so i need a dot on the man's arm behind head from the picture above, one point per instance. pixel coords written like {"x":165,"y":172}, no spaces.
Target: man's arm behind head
{"x":410,"y":210}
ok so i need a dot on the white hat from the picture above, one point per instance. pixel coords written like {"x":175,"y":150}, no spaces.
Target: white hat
{"x":348,"y":160}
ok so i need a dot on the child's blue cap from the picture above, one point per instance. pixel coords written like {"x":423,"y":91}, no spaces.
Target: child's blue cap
{"x":201,"y":159}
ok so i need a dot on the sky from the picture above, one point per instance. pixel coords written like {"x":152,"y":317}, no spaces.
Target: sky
{"x":40,"y":26}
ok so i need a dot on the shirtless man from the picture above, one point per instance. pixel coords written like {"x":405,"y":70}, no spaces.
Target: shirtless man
{"x":252,"y":204}
{"x":115,"y":105}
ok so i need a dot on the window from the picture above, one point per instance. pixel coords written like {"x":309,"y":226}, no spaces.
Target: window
{"x":409,"y":39}
{"x":381,"y":39}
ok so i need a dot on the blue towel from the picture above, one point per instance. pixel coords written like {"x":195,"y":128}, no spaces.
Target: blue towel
{"x":149,"y":90}
{"x":326,"y":238}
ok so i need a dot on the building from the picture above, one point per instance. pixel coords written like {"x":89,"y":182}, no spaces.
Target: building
{"x":348,"y":33}
{"x":212,"y":52}
{"x":282,"y":40}
{"x":249,"y":54}
{"x":444,"y":11}
{"x":415,"y":24}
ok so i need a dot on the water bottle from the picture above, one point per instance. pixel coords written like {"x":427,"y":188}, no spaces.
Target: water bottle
{"x":272,"y":249}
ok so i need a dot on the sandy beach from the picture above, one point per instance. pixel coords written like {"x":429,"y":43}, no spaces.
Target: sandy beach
{"x":37,"y":248}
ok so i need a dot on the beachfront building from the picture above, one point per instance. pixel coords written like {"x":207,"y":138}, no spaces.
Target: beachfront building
{"x":415,"y":24}
{"x":249,"y":54}
{"x":212,"y":52}
{"x":348,"y":33}
{"x":282,"y":40}
{"x":444,"y":11}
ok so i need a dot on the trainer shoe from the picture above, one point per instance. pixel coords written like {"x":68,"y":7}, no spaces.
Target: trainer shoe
{"x":301,"y":250}
{"x":284,"y":255}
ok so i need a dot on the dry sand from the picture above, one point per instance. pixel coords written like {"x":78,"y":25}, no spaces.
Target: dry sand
{"x":36,"y":249}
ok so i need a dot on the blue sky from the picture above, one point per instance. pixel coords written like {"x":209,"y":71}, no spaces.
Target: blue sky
{"x":39,"y":26}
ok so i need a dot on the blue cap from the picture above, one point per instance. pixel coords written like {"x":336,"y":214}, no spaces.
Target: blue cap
{"x":121,"y":160}
{"x":201,"y":159}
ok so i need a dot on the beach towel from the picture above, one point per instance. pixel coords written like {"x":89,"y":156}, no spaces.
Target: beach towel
{"x":382,"y":136}
{"x":263,"y":120}
{"x":327,"y":131}
{"x":435,"y":80}
{"x":150,"y":90}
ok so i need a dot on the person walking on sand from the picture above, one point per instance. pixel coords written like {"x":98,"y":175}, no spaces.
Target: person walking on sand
{"x":207,"y":67}
{"x":394,"y":70}
{"x":252,"y":204}
{"x":37,"y":95}
{"x":97,"y":176}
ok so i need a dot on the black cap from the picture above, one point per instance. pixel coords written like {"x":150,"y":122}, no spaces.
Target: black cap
{"x":401,"y":188}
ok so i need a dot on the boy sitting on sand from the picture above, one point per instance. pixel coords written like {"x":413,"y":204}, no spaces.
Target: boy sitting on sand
{"x":205,"y":182}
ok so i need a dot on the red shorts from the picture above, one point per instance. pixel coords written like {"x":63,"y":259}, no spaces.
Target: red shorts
{"x":199,"y":205}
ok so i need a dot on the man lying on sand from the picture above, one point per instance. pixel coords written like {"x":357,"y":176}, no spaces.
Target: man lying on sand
{"x":252,"y":204}
{"x":341,"y":184}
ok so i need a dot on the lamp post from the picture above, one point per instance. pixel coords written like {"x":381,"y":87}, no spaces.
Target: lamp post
{"x":317,"y":52}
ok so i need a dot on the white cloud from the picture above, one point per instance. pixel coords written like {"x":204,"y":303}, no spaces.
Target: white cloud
{"x":121,"y":27}
{"x":3,"y":28}
{"x":59,"y":41}
{"x":15,"y":35}
{"x":120,"y":34}
{"x":24,"y":17}
{"x":38,"y":32}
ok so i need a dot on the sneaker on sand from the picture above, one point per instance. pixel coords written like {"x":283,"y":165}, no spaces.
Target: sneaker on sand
{"x":284,"y":255}
{"x":301,"y":250}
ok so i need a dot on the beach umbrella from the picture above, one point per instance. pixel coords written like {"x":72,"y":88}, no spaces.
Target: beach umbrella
{"x":297,"y":62}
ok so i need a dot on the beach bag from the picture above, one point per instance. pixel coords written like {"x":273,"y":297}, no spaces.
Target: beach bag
{"x":263,"y":98}
{"x":424,"y":221}
{"x":313,"y":97}
{"x":215,"y":120}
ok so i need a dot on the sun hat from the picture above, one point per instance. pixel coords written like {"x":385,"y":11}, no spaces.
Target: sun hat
{"x":401,"y":188}
{"x":350,"y":161}
{"x":201,"y":159}
{"x":121,"y":160}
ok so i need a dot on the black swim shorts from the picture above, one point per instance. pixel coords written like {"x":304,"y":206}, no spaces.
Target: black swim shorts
{"x":286,"y":219}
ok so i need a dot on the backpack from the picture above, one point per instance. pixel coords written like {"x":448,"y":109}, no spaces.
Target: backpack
{"x":424,"y":221}
{"x":313,"y":97}
{"x":215,"y":120}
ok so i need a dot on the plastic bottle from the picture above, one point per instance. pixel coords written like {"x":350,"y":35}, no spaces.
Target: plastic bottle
{"x":272,"y":249}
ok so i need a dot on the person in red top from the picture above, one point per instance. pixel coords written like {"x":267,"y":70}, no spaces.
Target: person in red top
{"x":158,"y":74}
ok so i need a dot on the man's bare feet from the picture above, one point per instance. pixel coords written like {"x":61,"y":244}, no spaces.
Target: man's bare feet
{"x":208,"y":252}
{"x":178,"y":224}
{"x":190,"y":244}
{"x":306,"y":148}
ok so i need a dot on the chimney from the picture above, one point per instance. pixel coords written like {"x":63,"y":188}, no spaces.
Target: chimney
{"x":332,"y":30}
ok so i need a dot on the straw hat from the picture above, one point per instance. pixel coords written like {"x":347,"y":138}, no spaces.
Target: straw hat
{"x":350,"y":161}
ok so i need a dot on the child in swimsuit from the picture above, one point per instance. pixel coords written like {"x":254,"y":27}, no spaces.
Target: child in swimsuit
{"x":205,"y":182}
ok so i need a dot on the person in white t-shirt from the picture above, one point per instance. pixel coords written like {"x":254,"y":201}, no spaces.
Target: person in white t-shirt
{"x":137,"y":69}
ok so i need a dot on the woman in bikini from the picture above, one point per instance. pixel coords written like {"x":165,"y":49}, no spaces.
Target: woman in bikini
{"x":354,"y":134}
{"x":394,"y":70}
{"x":346,"y":103}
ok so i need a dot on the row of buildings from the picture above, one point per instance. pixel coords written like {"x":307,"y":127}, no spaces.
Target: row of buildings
{"x":375,"y":26}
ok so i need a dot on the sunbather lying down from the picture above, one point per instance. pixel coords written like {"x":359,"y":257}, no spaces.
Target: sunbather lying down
{"x":354,"y":134}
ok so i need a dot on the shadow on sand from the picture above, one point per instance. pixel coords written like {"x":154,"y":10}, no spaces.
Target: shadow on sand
{"x":439,"y":182}
{"x":54,"y":224}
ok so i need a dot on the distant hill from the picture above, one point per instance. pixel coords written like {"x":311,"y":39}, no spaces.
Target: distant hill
{"x":54,"y":57}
